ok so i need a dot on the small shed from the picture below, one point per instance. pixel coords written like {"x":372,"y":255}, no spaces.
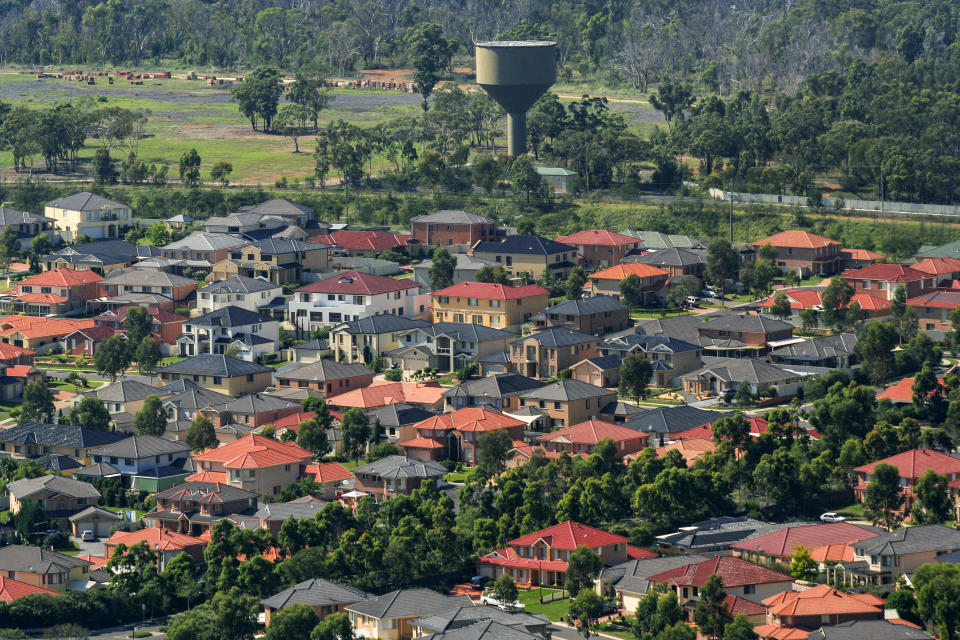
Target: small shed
{"x":558,"y":178}
{"x":100,"y":521}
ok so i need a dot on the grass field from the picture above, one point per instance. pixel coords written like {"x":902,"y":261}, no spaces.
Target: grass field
{"x":553,"y":610}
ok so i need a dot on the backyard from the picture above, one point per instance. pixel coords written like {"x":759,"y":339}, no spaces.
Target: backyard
{"x":555,"y":610}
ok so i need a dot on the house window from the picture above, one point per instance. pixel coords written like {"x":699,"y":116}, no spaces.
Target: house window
{"x":749,"y":588}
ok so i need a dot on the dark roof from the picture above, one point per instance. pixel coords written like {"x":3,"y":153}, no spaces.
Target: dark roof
{"x":818,"y":348}
{"x":631,"y":576}
{"x":565,"y":390}
{"x":751,"y":370}
{"x":283,"y":511}
{"x":59,"y":462}
{"x":672,"y":257}
{"x":37,"y":560}
{"x":90,"y":511}
{"x":398,"y":414}
{"x":528,"y":245}
{"x":59,"y":435}
{"x":465,"y":616}
{"x":10,"y":216}
{"x":403,"y":467}
{"x":144,"y":447}
{"x":872,"y":629}
{"x":239,"y":284}
{"x":322,"y":370}
{"x":207,"y":492}
{"x":687,"y":328}
{"x":209,"y":364}
{"x":276,"y":246}
{"x":408,"y":603}
{"x":85,"y":201}
{"x":147,"y":277}
{"x":931,"y":537}
{"x":279,"y":207}
{"x":498,"y":385}
{"x":197,"y":398}
{"x":648,"y":343}
{"x":452,"y":216}
{"x":621,"y":408}
{"x":746,"y":322}
{"x":485,"y":630}
{"x":605,"y":363}
{"x":123,"y":390}
{"x":383,"y":323}
{"x":257,"y":403}
{"x":102,"y":252}
{"x":558,"y":337}
{"x":717,"y":532}
{"x":673,"y":419}
{"x":596,"y":304}
{"x":316,"y":592}
{"x":229,"y":316}
{"x":26,"y":487}
{"x":313,"y":345}
{"x":97,"y":470}
{"x":466,"y":332}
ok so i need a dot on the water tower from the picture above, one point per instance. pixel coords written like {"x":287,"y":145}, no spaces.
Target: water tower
{"x":515,"y":74}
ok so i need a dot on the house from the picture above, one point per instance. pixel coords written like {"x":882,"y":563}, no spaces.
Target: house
{"x":933,"y":309}
{"x":256,"y":463}
{"x":392,"y":616}
{"x":369,"y":243}
{"x":11,"y":589}
{"x":102,"y":256}
{"x":821,"y":606}
{"x":293,"y":213}
{"x":251,"y":410}
{"x":247,"y":334}
{"x":677,"y":262}
{"x":86,"y":342}
{"x":656,"y":241}
{"x":252,"y":294}
{"x":448,"y":227}
{"x":491,"y":305}
{"x":545,"y":353}
{"x":123,"y":399}
{"x":652,"y":286}
{"x":165,"y":326}
{"x":714,"y":534}
{"x":87,"y":214}
{"x":896,"y":629}
{"x":396,"y":475}
{"x":882,"y":280}
{"x":447,"y":346}
{"x":331,"y":476}
{"x":670,"y":357}
{"x":600,"y":248}
{"x":96,"y":519}
{"x":740,"y":578}
{"x":601,"y":371}
{"x":252,"y":226}
{"x":41,"y":567}
{"x":220,"y":373}
{"x":902,"y":391}
{"x":328,"y":377}
{"x":620,"y":412}
{"x":465,"y":270}
{"x":312,"y":350}
{"x":426,"y":395}
{"x":58,"y":497}
{"x":944,"y":270}
{"x":278,"y":260}
{"x":566,"y":402}
{"x":834,"y":352}
{"x":598,"y":315}
{"x":582,"y":439}
{"x":27,"y":225}
{"x":629,"y":581}
{"x":804,"y":252}
{"x":201,"y":249}
{"x":456,"y":435}
{"x":499,"y":390}
{"x":560,"y":179}
{"x":12,"y":355}
{"x":879,"y":560}
{"x":911,"y":465}
{"x":350,"y":295}
{"x":148,"y":463}
{"x":36,"y":439}
{"x":729,"y":334}
{"x":147,"y":281}
{"x":763,"y":379}
{"x":323,"y":596}
{"x":366,"y":339}
{"x":857,"y":258}
{"x":52,"y":292}
{"x":465,"y":619}
{"x":165,"y":543}
{"x":486,"y":630}
{"x":530,"y":256}
{"x":396,"y":421}
{"x":779,"y":545}
{"x":541,"y":557}
{"x":272,"y":515}
{"x":670,"y":420}
{"x":192,"y":508}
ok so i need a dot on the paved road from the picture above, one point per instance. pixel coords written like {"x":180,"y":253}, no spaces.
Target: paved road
{"x":118,"y":633}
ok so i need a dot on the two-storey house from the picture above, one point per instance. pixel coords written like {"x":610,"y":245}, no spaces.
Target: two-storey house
{"x":804,"y":252}
{"x":545,"y":353}
{"x":195,"y":506}
{"x":933,"y":310}
{"x":678,"y":262}
{"x":252,"y":410}
{"x":911,"y":465}
{"x":366,"y":339}
{"x":670,"y":357}
{"x":581,"y":439}
{"x":448,"y":227}
{"x":230,"y":329}
{"x":465,"y":270}
{"x":566,"y":402}
{"x":36,"y":439}
{"x":741,"y":335}
{"x":498,"y":390}
{"x":396,"y":475}
{"x":447,"y":346}
{"x":456,"y":435}
{"x":879,"y":560}
{"x":492,"y":305}
{"x":58,"y":497}
{"x":87,"y":214}
{"x":278,"y":260}
{"x":652,"y":281}
{"x":51,"y":293}
{"x":42,"y":567}
{"x":392,"y":616}
{"x":148,"y":281}
{"x":220,"y":373}
{"x":600,"y":248}
{"x":598,"y":315}
{"x":250,"y":225}
{"x":368,"y":243}
{"x":323,"y":596}
{"x":529,"y":256}
{"x":165,"y":326}
{"x":882,"y":280}
{"x":257,"y":463}
{"x":148,"y":463}
{"x":123,"y":399}
{"x":350,"y":295}
{"x":166,"y":544}
{"x":251,"y":294}
{"x":328,"y":377}
{"x":100,"y":256}
{"x":27,"y":225}
{"x":203,"y":249}
{"x":740,"y":578}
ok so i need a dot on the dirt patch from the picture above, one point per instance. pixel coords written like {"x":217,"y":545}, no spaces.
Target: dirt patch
{"x":197,"y":126}
{"x":388,"y":75}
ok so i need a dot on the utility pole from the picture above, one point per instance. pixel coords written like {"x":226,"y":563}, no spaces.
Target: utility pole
{"x":730,"y":192}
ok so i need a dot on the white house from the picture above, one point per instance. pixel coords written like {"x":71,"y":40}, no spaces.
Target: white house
{"x":147,"y":461}
{"x":238,"y":291}
{"x":351,"y":295}
{"x":250,"y":333}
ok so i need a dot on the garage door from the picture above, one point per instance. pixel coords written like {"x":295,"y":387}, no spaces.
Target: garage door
{"x":104,"y":529}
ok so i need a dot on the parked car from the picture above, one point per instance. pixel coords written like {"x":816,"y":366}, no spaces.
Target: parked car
{"x":88,"y":535}
{"x":830,"y":516}
{"x":489,"y":598}
{"x":692,"y":301}
{"x":478,"y":582}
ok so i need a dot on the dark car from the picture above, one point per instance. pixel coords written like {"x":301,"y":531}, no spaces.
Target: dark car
{"x":478,"y":582}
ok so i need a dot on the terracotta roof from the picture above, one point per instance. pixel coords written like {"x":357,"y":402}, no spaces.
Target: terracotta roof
{"x":376,"y":240}
{"x":8,"y":351}
{"x":782,"y":541}
{"x":821,"y":600}
{"x":833,"y":553}
{"x":757,"y":424}
{"x":96,"y":562}
{"x":11,"y":589}
{"x":691,"y":449}
{"x":861,"y":254}
{"x":914,"y":463}
{"x":568,"y":536}
{"x":599,"y":237}
{"x":156,"y":538}
{"x":868,"y":302}
{"x":328,"y":472}
{"x":383,"y":392}
{"x":40,"y":298}
{"x":37,"y":327}
{"x":293,"y":420}
{"x":937,"y":266}
{"x":357,"y":283}
{"x":161,"y":316}
{"x":936,"y":300}
{"x":592,"y":432}
{"x":469,"y":419}
{"x":422,"y":443}
{"x":901,"y":392}
{"x":734,"y":572}
{"x":639,"y":553}
{"x":254,"y":451}
{"x":20,"y":370}
{"x":507,"y":557}
{"x":799,"y":239}
{"x":741,"y":606}
{"x":621,"y":271}
{"x":207,"y":476}
{"x":776,"y":632}
{"x":491,"y":291}
{"x":886,"y":273}
{"x":62,"y":277}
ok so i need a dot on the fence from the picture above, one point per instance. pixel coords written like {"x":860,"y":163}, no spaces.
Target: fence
{"x":841,"y":204}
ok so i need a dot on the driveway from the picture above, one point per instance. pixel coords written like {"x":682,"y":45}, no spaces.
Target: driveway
{"x":94,"y":548}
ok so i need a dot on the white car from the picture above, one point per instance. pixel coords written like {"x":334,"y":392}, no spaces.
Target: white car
{"x":830,"y":516}
{"x":87,"y":535}
{"x":489,"y":598}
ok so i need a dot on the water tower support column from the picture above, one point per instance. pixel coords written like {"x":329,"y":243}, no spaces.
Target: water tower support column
{"x":516,"y":133}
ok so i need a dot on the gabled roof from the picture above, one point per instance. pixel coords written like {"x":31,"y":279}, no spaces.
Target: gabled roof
{"x":498,"y":385}
{"x":11,"y":589}
{"x":58,"y":462}
{"x":463,"y":616}
{"x":939,"y":299}
{"x":197,"y":398}
{"x":84,"y":201}
{"x":602,"y":363}
{"x":144,"y":447}
{"x":584,"y":306}
{"x":322,"y":370}
{"x":95,"y":511}
{"x":914,"y":463}
{"x":206,"y":492}
{"x":366,"y":240}
{"x":316,"y":592}
{"x":937,"y":266}
{"x":886,"y":273}
{"x":279,"y":207}
{"x":822,"y":600}
{"x":10,"y":216}
{"x":210,"y":364}
{"x":622,"y":271}
{"x":673,"y":419}
{"x":872,"y":629}
{"x":408,"y":603}
{"x":597,"y":237}
{"x":18,"y":557}
{"x":657,"y":240}
{"x":397,"y":414}
{"x":203,"y":241}
{"x":151,"y":277}
{"x":357,"y":283}
{"x":752,"y":370}
{"x":632,"y":576}
{"x":157,"y":538}
{"x":568,"y":536}
{"x":861,"y":254}
{"x":9,"y":351}
{"x":523,"y":245}
{"x":470,"y":419}
{"x":253,"y":403}
{"x":782,"y":541}
{"x":491,"y":291}
{"x":452,"y":216}
{"x":239,"y":284}
{"x":922,"y":539}
{"x":276,"y":246}
{"x":379,"y":324}
{"x":734,"y":572}
{"x":27,"y":487}
{"x":673,"y":258}
{"x":558,"y":336}
{"x":649,"y":343}
{"x":59,"y":435}
{"x":62,"y":277}
{"x":230,"y":316}
{"x":382,"y":392}
{"x":254,"y":451}
{"x":326,"y":472}
{"x":466,"y":332}
{"x":402,"y":467}
{"x":902,"y":391}
{"x":160,"y":316}
{"x":124,"y":390}
{"x":797,"y":239}
{"x":591,"y":432}
{"x":818,"y":348}
{"x":485,"y":630}
{"x":566,"y":390}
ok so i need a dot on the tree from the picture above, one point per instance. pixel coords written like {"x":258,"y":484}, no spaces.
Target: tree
{"x":220,"y":172}
{"x":147,"y":355}
{"x":630,"y":291}
{"x":91,"y":413}
{"x":505,"y":590}
{"x":312,"y":435}
{"x":809,"y":319}
{"x":9,"y":245}
{"x":781,"y":306}
{"x":586,"y":608}
{"x":292,"y":121}
{"x":151,"y":420}
{"x":874,"y":347}
{"x":37,"y":405}
{"x":307,"y":91}
{"x":429,"y":52}
{"x":933,"y":504}
{"x":112,"y":356}
{"x":882,"y":498}
{"x":102,"y":168}
{"x":575,"y":282}
{"x":279,"y":32}
{"x":636,"y":372}
{"x":903,"y":601}
{"x":492,"y":449}
{"x":583,"y":567}
{"x":711,"y":613}
{"x":294,"y":622}
{"x":744,"y":396}
{"x":898,"y":307}
{"x":802,"y":564}
{"x":493,"y":273}
{"x":526,"y":227}
{"x":355,"y":429}
{"x":836,"y":298}
{"x":190,"y":168}
{"x":236,"y":613}
{"x":180,"y":577}
{"x":334,"y":627}
{"x":40,"y":245}
{"x":723,"y":262}
{"x":672,"y":100}
{"x":201,"y":434}
{"x":258,"y":96}
{"x":740,"y":629}
{"x":441,"y":269}
{"x":525,"y":179}
{"x":937,"y":589}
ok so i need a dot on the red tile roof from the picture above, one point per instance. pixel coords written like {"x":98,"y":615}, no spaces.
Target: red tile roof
{"x":868,"y":302}
{"x":901,"y":392}
{"x":832,"y":553}
{"x":776,"y":632}
{"x":782,"y":541}
{"x":621,"y":271}
{"x":808,"y":298}
{"x":37,"y":327}
{"x":823,"y":600}
{"x":861,"y":254}
{"x":360,"y":284}
{"x":383,"y":392}
{"x":592,"y":432}
{"x":10,"y":351}
{"x":358,"y":240}
{"x":568,"y":536}
{"x":97,"y":562}
{"x":491,"y":291}
{"x":40,"y":298}
{"x":936,"y":300}
{"x":937,"y":266}
{"x":886,"y":273}
{"x":422,"y":443}
{"x":598,"y":237}
{"x":156,"y":538}
{"x":293,"y":420}
{"x":97,"y":333}
{"x":741,"y":606}
{"x":914,"y":463}
{"x":734,"y":572}
{"x":62,"y":277}
{"x":757,"y":424}
{"x":469,"y":419}
{"x":20,"y":370}
{"x":161,"y":316}
{"x":639,"y":553}
{"x":328,"y":472}
{"x":799,"y":239}
{"x":507,"y":557}
{"x":208,"y":476}
{"x":254,"y":451}
{"x":691,"y":449}
{"x":11,"y":589}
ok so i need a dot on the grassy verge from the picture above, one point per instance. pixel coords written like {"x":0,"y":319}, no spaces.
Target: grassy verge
{"x":852,"y":512}
{"x":459,"y":477}
{"x":657,"y":313}
{"x":170,"y":360}
{"x":617,"y":629}
{"x":553,"y":610}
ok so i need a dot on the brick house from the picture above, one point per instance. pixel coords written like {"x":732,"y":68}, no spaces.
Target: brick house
{"x":582,"y":439}
{"x":671,"y":357}
{"x":456,"y":435}
{"x":166,"y":326}
{"x":367,"y":244}
{"x":944,"y":270}
{"x":911,"y":465}
{"x":350,"y":295}
{"x":678,"y":262}
{"x":740,"y":578}
{"x":396,"y":475}
{"x":530,"y":255}
{"x":492,"y":305}
{"x":219,"y":373}
{"x":598,"y":315}
{"x":804,"y":252}
{"x":166,"y":544}
{"x":323,"y":596}
{"x":448,"y":227}
{"x":933,"y":310}
{"x":779,"y":545}
{"x":193,"y":507}
{"x":278,"y":260}
{"x":879,"y":560}
{"x":329,"y":377}
{"x":566,"y":402}
{"x":256,"y":463}
{"x":128,"y":281}
{"x":545,"y":353}
{"x":882,"y":280}
{"x":602,"y":371}
{"x":600,"y":248}
{"x":653,"y":281}
{"x":426,"y":395}
{"x":819,"y":606}
{"x":52,"y":292}
{"x":856,"y":258}
{"x":200,"y":246}
{"x":742,"y":335}
{"x":57,"y":497}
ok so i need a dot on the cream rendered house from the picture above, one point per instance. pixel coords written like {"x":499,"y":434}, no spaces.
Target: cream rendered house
{"x":88,"y":214}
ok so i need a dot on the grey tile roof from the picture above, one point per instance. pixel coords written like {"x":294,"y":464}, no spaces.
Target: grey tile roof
{"x":672,"y":419}
{"x":85,"y":201}
{"x":10,"y":216}
{"x":152,"y":277}
{"x":37,"y":560}
{"x":751,"y":370}
{"x":872,"y":629}
{"x":197,"y":398}
{"x":566,"y":390}
{"x":397,"y":414}
{"x":90,"y":511}
{"x":379,"y":324}
{"x":464,"y":263}
{"x":59,"y":462}
{"x":595,"y":304}
{"x":720,"y":532}
{"x":282,"y":511}
{"x":746,"y":322}
{"x":322,"y":370}
{"x":316,"y":592}
{"x":485,"y":630}
{"x":179,"y":386}
{"x":466,"y":332}
{"x":408,"y":603}
{"x":279,"y":207}
{"x":818,"y":348}
{"x":209,"y":364}
{"x":672,"y":257}
{"x":622,"y":409}
{"x":27,"y":487}
{"x":524,"y":245}
{"x":452,"y":216}
{"x":314,"y":345}
{"x":144,"y":447}
{"x":97,"y":470}
{"x":498,"y":385}
{"x":229,"y":316}
{"x":931,"y":537}
{"x":632,"y":576}
{"x":207,"y":492}
{"x":203,"y":241}
{"x":657,"y":240}
{"x":59,"y":435}
{"x":257,"y":403}
{"x":403,"y":467}
{"x":648,"y":343}
{"x":605,"y":363}
{"x":558,"y":337}
{"x":686,"y":328}
{"x":465,"y":616}
{"x":239,"y":284}
{"x":282,"y":245}
{"x":124,"y":390}
{"x":102,"y":252}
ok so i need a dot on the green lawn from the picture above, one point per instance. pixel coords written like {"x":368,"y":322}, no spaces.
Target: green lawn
{"x":169,"y":360}
{"x":459,"y":477}
{"x":277,"y":365}
{"x":56,"y":383}
{"x":610,"y":628}
{"x":812,"y":281}
{"x":122,"y":509}
{"x":852,"y":512}
{"x":553,"y":610}
{"x":657,"y":313}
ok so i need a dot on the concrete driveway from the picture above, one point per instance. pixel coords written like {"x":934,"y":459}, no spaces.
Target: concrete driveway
{"x":94,"y":548}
